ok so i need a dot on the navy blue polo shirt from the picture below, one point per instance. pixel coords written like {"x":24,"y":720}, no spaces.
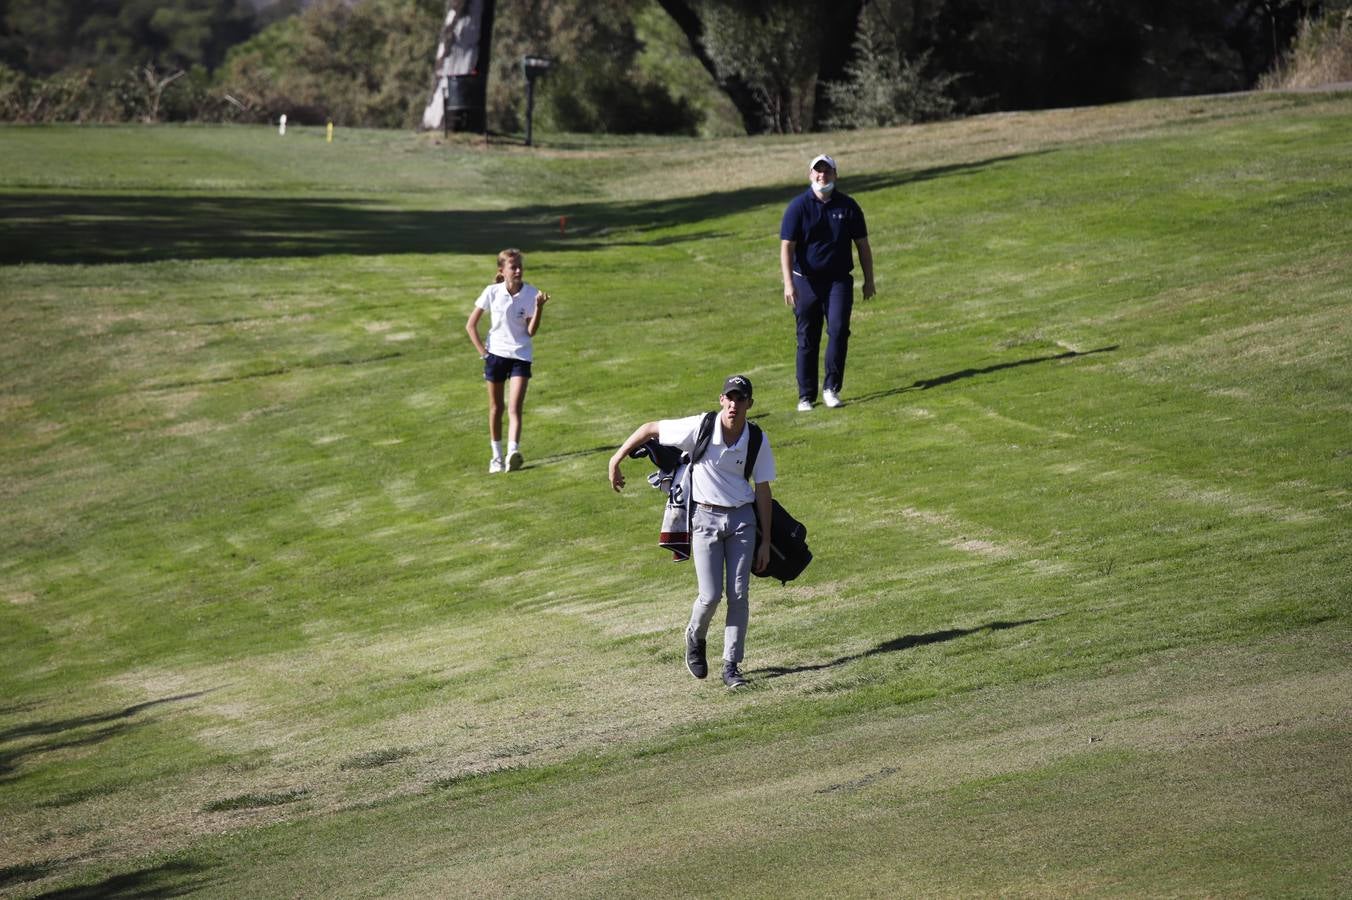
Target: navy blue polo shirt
{"x":823,"y":233}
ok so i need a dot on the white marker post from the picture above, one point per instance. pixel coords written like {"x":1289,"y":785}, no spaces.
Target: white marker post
{"x":281,"y":124}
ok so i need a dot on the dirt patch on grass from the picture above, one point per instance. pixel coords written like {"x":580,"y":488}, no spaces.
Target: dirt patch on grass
{"x":981,"y":546}
{"x":192,"y":428}
{"x":173,"y":403}
{"x":1282,"y":342}
{"x":12,"y":403}
{"x":821,"y":590}
{"x":99,"y":321}
{"x":1231,"y":500}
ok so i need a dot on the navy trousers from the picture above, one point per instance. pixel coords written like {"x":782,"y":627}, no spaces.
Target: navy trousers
{"x":829,"y":301}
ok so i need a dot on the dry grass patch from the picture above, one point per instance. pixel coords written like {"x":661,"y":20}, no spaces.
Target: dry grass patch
{"x":981,"y":546}
{"x":1291,"y":344}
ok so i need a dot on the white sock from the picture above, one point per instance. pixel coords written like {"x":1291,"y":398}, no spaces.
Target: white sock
{"x":513,"y":446}
{"x":497,"y":449}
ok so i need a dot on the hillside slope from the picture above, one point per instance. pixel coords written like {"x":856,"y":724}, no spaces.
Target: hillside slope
{"x":1078,"y":621}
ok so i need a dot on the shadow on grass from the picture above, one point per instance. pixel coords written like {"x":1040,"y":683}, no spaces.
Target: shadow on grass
{"x":554,"y":458}
{"x":92,"y":229}
{"x":18,"y":707}
{"x":26,"y":872}
{"x":56,"y":726}
{"x":113,"y":724}
{"x":906,"y":642}
{"x":174,"y":879}
{"x":924,"y":384}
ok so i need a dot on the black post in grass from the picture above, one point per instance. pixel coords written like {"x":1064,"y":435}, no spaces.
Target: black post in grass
{"x":534,"y":67}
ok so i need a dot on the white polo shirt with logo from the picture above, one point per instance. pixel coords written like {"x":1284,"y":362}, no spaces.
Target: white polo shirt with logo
{"x":718,"y":478}
{"x":508,"y":317}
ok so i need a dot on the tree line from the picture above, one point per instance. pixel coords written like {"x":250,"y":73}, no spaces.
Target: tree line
{"x":662,"y":66}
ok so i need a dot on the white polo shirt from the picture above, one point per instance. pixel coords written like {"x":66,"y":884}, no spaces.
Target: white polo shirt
{"x":508,"y":317}
{"x":718,"y":477}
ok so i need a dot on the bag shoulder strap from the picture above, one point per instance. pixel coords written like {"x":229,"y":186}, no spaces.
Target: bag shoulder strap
{"x":752,"y":449}
{"x":706,"y":432}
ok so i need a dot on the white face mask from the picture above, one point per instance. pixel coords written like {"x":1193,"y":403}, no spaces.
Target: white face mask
{"x":823,"y":188}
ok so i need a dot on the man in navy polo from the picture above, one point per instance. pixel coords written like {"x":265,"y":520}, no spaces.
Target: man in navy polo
{"x":816,"y":259}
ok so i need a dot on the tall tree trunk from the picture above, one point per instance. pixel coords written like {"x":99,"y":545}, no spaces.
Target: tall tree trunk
{"x":742,"y":95}
{"x":836,"y":46}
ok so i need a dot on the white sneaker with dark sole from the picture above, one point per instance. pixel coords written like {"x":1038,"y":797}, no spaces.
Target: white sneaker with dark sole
{"x":514,"y":461}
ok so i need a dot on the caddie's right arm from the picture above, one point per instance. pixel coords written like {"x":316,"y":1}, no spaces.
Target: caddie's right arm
{"x":644,"y":433}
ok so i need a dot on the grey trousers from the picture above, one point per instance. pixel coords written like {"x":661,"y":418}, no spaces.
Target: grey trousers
{"x":723,"y":546}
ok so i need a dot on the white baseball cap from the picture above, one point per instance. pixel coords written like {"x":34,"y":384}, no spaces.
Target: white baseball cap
{"x":822,"y":158}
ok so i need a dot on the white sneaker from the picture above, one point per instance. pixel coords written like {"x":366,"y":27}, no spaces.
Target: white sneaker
{"x":514,"y":460}
{"x":805,"y":406}
{"x":496,"y":465}
{"x":831,"y":398}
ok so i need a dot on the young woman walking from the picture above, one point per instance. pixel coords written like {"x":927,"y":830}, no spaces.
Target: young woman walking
{"x":514,"y":309}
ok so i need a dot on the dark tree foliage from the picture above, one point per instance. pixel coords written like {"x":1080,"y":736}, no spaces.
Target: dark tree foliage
{"x":771,"y":57}
{"x":41,"y":37}
{"x":881,"y":87}
{"x":1030,"y":54}
{"x":787,"y":65}
{"x":1005,"y":54}
{"x":595,"y":85}
{"x":363,"y":63}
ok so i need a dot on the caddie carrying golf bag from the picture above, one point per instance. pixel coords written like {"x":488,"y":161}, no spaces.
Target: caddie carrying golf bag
{"x":789,"y":553}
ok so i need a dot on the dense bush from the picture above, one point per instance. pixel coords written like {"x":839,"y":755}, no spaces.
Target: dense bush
{"x":597,"y":83}
{"x":609,"y":94}
{"x":1321,"y":54}
{"x":72,"y":95}
{"x":601,"y":102}
{"x":883,"y":88}
{"x":366,"y":63}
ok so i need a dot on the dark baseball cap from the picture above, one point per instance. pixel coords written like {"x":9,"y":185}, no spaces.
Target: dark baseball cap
{"x":739,"y":383}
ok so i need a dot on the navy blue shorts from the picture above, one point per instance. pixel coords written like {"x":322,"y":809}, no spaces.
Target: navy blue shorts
{"x":500,"y":368}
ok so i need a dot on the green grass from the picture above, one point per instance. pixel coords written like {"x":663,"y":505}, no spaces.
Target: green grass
{"x":1078,"y":619}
